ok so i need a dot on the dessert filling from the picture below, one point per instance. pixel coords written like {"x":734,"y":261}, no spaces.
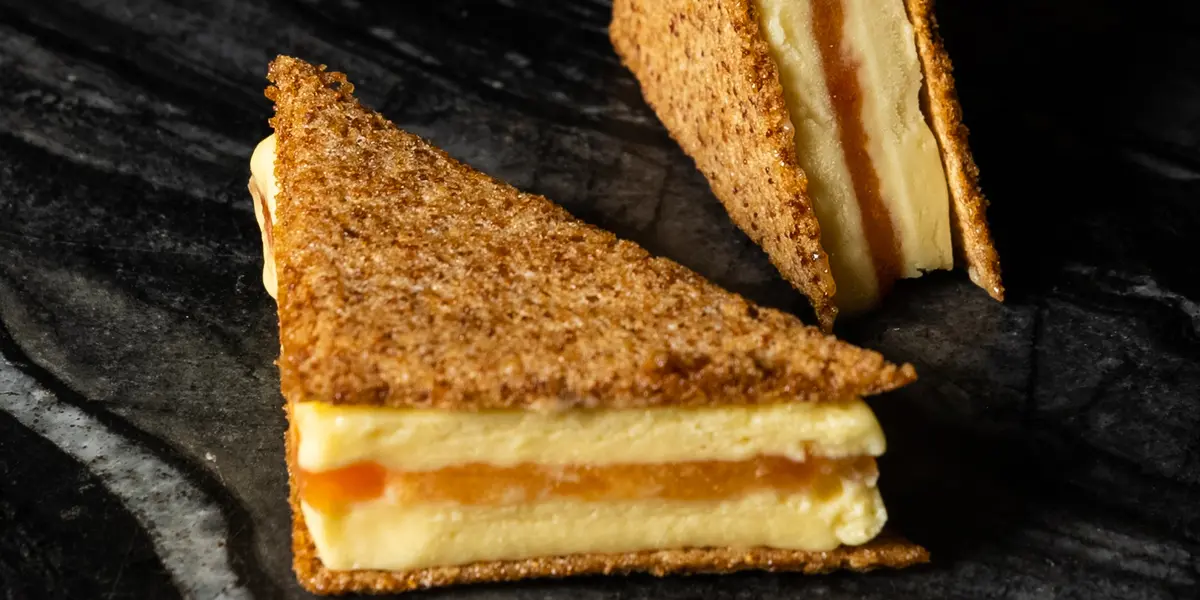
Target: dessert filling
{"x":381,"y":534}
{"x":263,"y":190}
{"x":391,"y":488}
{"x":336,"y":436}
{"x":852,"y":79}
{"x":482,"y":484}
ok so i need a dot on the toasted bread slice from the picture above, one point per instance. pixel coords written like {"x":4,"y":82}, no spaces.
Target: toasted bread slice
{"x":708,"y":71}
{"x":408,"y":280}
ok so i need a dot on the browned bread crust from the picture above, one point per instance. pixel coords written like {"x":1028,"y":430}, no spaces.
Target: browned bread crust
{"x":707,"y":72}
{"x":972,"y":238}
{"x":409,"y":279}
{"x":885,"y":551}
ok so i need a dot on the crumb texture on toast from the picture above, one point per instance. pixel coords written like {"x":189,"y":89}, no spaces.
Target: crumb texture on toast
{"x":968,"y":207}
{"x":707,"y":72}
{"x":408,"y":279}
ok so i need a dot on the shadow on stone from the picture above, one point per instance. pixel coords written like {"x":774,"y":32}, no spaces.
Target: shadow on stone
{"x":1077,"y":113}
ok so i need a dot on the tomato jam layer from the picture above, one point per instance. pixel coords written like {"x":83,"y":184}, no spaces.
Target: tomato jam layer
{"x":487,"y":485}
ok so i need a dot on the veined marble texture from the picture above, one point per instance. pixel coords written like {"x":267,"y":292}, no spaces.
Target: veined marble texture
{"x":1050,"y":449}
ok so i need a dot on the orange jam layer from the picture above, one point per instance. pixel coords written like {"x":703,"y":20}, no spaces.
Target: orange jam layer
{"x":846,"y":93}
{"x":482,"y":484}
{"x":259,"y":195}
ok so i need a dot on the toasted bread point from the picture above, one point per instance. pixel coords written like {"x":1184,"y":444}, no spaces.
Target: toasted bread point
{"x":712,"y":82}
{"x":407,"y":279}
{"x":885,"y":551}
{"x":706,"y":70}
{"x":968,"y":207}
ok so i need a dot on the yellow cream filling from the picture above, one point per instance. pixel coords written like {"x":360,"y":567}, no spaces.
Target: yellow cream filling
{"x":901,"y":145}
{"x":879,"y":39}
{"x":262,"y":173}
{"x":415,"y":440}
{"x":383,"y":535}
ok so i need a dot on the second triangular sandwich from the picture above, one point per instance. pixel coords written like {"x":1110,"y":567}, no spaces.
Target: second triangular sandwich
{"x":829,"y":129}
{"x":481,"y":387}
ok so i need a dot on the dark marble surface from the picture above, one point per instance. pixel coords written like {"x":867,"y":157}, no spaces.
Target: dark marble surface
{"x":1050,"y":450}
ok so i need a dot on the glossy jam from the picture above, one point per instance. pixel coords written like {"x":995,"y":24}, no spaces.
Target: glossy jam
{"x":260,"y":196}
{"x":481,"y":484}
{"x":846,"y":93}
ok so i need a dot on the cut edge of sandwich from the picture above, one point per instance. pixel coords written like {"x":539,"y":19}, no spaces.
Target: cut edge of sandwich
{"x":886,"y":551}
{"x":711,"y":71}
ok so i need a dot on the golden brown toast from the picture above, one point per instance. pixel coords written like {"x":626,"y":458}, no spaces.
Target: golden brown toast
{"x":407,"y":279}
{"x":733,"y":121}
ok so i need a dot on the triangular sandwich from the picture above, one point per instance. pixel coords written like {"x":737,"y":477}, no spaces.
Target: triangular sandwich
{"x":481,"y":387}
{"x":829,"y":129}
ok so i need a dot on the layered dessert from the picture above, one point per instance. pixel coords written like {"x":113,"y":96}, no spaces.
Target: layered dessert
{"x":409,"y":489}
{"x":852,"y":80}
{"x":830,"y":131}
{"x":481,"y":387}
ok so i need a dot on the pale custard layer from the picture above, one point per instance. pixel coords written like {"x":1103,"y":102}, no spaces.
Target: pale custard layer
{"x":409,"y":439}
{"x":383,"y":535}
{"x":901,"y":144}
{"x":263,"y":188}
{"x":787,"y":26}
{"x":878,"y":39}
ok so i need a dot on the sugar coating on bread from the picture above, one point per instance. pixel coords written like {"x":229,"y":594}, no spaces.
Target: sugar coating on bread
{"x":708,"y":74}
{"x":408,"y":279}
{"x":968,"y":207}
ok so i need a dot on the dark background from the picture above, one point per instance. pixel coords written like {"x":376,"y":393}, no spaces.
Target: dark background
{"x":1051,"y":448}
